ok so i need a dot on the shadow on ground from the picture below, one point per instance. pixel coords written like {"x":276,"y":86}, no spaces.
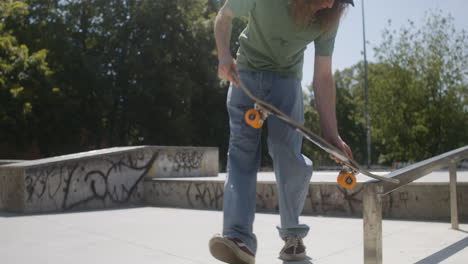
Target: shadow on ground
{"x":307,"y":260}
{"x":445,"y":253}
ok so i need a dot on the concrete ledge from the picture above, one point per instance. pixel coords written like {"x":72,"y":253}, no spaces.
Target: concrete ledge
{"x":5,"y":162}
{"x":177,"y":162}
{"x":97,"y":179}
{"x":421,"y":200}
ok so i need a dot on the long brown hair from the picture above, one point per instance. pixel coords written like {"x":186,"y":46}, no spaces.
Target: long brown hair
{"x":308,"y":12}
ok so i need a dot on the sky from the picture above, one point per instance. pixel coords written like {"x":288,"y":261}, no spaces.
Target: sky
{"x":349,"y":41}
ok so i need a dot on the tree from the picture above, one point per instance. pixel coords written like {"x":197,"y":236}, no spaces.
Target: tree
{"x":418,"y":90}
{"x":124,"y":73}
{"x":24,"y":79}
{"x":349,"y":114}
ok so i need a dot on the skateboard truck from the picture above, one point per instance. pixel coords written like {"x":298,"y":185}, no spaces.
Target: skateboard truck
{"x":347,"y":178}
{"x":255,"y":117}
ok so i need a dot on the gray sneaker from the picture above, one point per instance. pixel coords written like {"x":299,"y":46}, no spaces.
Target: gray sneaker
{"x":230,"y":250}
{"x":293,"y":249}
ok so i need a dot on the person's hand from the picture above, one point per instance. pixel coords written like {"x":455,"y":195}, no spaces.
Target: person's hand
{"x":341,"y":145}
{"x":227,"y":69}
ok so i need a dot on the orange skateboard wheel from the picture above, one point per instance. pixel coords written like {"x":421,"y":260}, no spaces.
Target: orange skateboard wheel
{"x":339,"y":179}
{"x":253,"y":118}
{"x":347,"y":179}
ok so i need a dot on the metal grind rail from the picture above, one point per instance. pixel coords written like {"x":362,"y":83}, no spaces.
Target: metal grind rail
{"x":374,"y":190}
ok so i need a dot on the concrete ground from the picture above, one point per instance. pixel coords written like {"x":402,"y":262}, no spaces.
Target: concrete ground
{"x":177,"y":236}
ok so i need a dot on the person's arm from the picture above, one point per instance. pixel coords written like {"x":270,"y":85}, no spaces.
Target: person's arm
{"x":325,"y":99}
{"x":227,"y":69}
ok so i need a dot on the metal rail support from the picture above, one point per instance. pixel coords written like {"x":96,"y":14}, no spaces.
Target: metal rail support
{"x":453,"y":194}
{"x":372,"y":216}
{"x":373,"y":192}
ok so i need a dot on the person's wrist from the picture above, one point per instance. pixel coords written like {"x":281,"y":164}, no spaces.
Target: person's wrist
{"x":333,"y":139}
{"x":224,"y":55}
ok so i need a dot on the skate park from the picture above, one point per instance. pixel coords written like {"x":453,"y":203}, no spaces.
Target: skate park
{"x":115,"y":129}
{"x":161,"y":204}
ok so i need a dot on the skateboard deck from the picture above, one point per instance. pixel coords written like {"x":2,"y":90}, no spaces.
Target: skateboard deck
{"x":346,"y":178}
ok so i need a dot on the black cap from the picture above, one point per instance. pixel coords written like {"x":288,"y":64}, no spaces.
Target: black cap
{"x":348,"y":1}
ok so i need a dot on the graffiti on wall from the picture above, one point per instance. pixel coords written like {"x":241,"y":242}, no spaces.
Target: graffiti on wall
{"x":209,"y":195}
{"x":109,"y":180}
{"x":100,"y":179}
{"x":267,"y":197}
{"x":322,"y":199}
{"x":186,"y":194}
{"x":184,"y":161}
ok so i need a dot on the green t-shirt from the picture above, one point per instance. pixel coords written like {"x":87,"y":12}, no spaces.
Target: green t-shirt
{"x":272,"y":42}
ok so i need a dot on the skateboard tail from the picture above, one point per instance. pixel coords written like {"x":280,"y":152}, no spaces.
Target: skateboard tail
{"x":346,"y":161}
{"x":329,"y":150}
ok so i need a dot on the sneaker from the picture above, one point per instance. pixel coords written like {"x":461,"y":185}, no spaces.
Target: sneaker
{"x":293,"y":249}
{"x":231,"y":250}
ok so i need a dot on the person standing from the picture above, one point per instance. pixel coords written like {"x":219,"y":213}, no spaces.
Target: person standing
{"x":269,"y":62}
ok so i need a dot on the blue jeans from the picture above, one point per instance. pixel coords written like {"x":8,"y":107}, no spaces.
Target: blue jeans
{"x":292,"y":169}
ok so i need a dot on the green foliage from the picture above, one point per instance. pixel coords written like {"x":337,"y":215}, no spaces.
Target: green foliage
{"x":418,"y":91}
{"x":417,"y":94}
{"x":125,"y":72}
{"x":311,"y":121}
{"x":23,"y":82}
{"x":350,"y":118}
{"x":79,"y":75}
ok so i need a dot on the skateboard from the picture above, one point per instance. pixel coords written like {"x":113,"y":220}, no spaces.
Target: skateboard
{"x":256,"y":116}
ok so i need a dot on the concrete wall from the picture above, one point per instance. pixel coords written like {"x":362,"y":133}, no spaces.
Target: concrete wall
{"x":176,"y":162}
{"x":97,"y":179}
{"x":428,"y":201}
{"x":140,"y":175}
